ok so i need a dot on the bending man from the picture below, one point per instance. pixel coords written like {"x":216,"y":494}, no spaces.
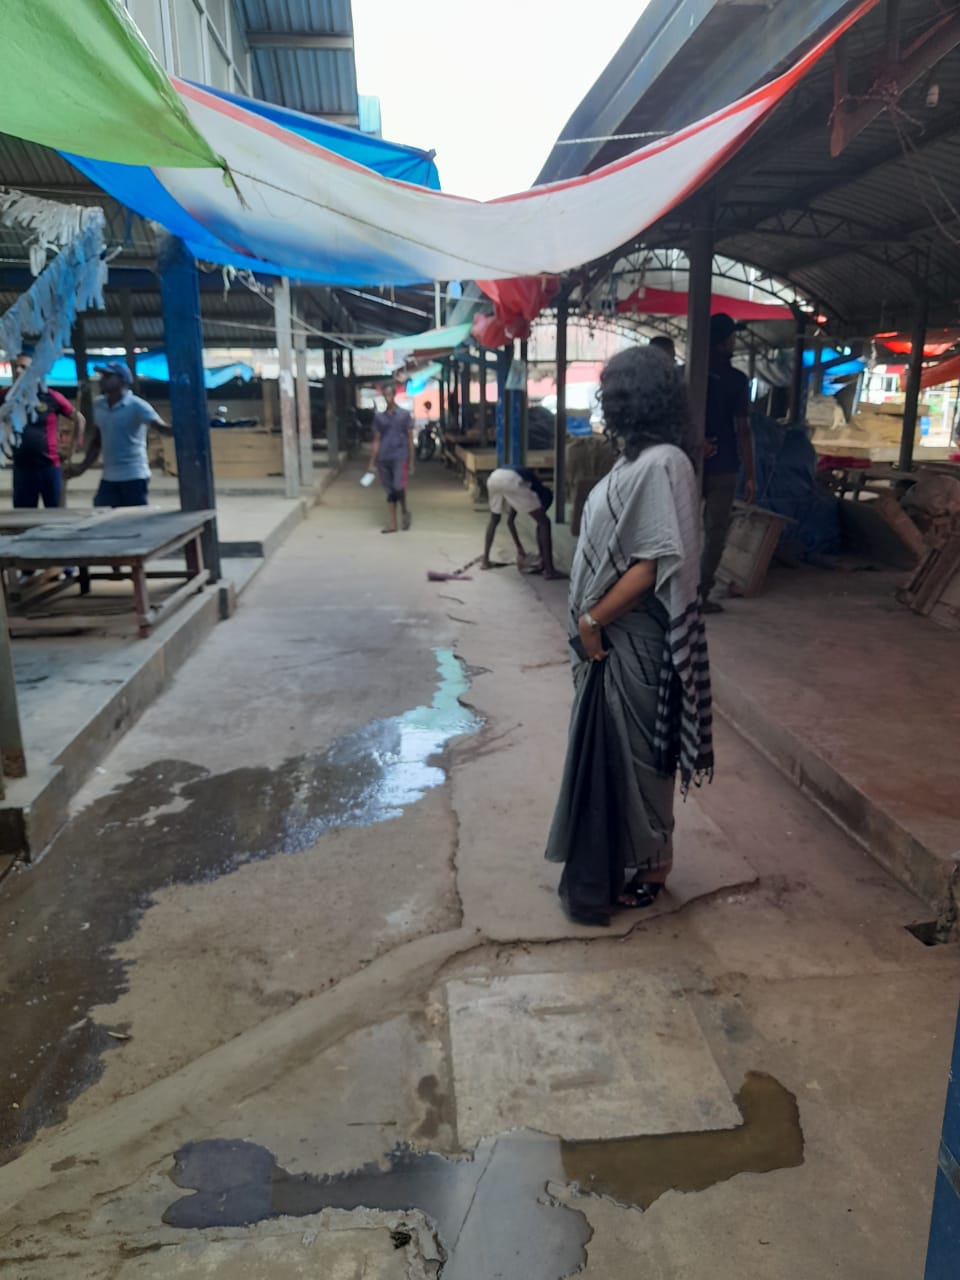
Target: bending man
{"x":517,"y":490}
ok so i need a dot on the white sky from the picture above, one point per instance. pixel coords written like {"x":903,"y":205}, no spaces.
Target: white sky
{"x":487,"y":86}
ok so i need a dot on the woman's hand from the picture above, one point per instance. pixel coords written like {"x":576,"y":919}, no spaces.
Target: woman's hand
{"x":592,"y":640}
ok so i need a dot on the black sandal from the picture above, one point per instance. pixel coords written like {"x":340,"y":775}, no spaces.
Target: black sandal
{"x":643,"y":892}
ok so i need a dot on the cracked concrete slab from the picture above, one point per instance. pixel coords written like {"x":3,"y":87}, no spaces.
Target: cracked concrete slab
{"x":582,"y":1055}
{"x":335,"y":1246}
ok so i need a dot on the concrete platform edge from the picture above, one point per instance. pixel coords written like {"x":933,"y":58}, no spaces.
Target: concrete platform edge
{"x":274,"y":539}
{"x":36,"y":807}
{"x":933,"y":878}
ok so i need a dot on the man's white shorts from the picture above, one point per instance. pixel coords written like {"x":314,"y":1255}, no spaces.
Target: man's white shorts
{"x":507,"y":488}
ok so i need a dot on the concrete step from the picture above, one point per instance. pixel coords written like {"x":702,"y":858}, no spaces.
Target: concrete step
{"x":931,"y":875}
{"x":33,"y":810}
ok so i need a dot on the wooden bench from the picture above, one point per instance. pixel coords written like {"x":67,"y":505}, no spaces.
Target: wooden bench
{"x":121,"y":542}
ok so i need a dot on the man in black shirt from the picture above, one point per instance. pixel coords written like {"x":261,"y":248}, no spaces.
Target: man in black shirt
{"x":729,"y":445}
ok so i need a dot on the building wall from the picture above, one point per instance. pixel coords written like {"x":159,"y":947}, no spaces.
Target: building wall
{"x":196,"y":39}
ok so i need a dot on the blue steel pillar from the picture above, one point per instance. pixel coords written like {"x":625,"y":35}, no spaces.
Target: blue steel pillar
{"x":183,"y":337}
{"x":504,"y":357}
{"x":943,"y":1254}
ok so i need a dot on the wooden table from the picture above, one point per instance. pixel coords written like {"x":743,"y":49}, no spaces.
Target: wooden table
{"x":881,"y":477}
{"x":116,"y":541}
{"x":22,"y":518}
{"x":860,"y":452}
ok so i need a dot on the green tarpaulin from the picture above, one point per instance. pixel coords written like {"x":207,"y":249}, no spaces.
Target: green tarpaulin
{"x":78,"y":77}
{"x":432,"y":340}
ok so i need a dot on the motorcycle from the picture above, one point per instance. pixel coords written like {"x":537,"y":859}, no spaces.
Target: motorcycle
{"x":221,"y":419}
{"x":429,"y":441}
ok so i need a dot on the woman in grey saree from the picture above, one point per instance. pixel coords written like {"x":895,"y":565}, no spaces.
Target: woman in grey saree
{"x":641,"y":710}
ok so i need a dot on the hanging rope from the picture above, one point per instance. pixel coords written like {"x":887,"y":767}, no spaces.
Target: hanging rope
{"x":73,"y":281}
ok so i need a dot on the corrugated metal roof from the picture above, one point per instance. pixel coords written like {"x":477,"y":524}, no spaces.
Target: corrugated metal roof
{"x":683,"y":60}
{"x":313,"y":17}
{"x":860,"y":234}
{"x":319,"y":81}
{"x":26,"y":164}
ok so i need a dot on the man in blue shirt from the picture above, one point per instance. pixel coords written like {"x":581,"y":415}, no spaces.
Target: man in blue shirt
{"x":121,"y":420}
{"x":729,"y":444}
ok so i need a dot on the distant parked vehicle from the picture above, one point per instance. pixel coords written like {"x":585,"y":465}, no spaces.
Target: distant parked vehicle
{"x":221,"y":420}
{"x":429,"y":441}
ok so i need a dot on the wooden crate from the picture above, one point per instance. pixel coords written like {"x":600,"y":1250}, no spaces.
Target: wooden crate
{"x":934,"y":587}
{"x":751,"y":542}
{"x":239,"y":453}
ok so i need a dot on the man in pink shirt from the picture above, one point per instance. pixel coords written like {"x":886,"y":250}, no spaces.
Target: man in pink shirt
{"x":37,"y":473}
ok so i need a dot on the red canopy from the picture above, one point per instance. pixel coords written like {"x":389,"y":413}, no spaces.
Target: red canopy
{"x":935,"y":345}
{"x":516,"y":303}
{"x":666,"y":302}
{"x":938,"y":374}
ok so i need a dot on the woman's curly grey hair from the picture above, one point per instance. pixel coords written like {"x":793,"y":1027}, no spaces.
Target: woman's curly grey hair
{"x":644,"y":400}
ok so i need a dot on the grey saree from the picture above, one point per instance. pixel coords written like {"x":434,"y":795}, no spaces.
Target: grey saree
{"x":647,"y":704}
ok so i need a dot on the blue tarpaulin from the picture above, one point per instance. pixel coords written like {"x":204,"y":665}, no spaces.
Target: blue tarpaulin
{"x":152,"y":367}
{"x":140,"y":189}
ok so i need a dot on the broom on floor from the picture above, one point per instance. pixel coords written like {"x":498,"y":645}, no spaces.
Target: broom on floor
{"x":458,"y":575}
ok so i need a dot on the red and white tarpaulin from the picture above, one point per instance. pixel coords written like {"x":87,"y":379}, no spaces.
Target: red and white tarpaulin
{"x":311,"y":211}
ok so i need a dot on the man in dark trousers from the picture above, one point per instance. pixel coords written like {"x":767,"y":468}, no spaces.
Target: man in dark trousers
{"x":729,"y":445}
{"x":394,"y":451}
{"x":37,"y":472}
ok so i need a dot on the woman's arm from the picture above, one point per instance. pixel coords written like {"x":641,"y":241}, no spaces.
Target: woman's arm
{"x":621,"y":599}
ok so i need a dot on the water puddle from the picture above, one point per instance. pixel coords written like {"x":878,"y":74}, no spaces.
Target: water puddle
{"x":637,"y":1171}
{"x":175,"y":824}
{"x":491,"y":1209}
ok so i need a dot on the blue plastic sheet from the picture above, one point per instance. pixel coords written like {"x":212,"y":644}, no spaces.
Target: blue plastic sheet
{"x":151,"y":366}
{"x":786,"y":464}
{"x":139,"y":189}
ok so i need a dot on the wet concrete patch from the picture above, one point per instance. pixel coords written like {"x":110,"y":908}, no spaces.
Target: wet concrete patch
{"x":637,"y":1171}
{"x":175,"y":824}
{"x":492,"y":1209}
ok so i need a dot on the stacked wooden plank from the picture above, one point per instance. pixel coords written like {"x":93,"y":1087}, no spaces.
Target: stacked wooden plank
{"x":933,"y":589}
{"x":239,"y":453}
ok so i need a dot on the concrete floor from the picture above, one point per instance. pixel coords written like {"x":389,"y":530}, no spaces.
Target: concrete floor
{"x":276,"y":945}
{"x":64,"y":679}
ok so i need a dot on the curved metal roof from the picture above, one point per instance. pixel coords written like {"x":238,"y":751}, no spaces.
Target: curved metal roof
{"x":683,"y":60}
{"x":862,"y":233}
{"x":865,"y":231}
